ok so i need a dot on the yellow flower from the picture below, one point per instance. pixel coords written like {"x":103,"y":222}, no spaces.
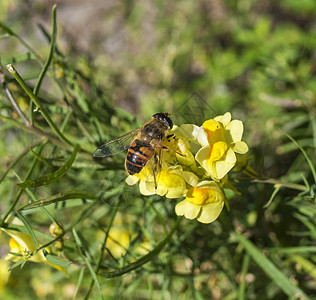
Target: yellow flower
{"x":189,"y":133}
{"x":186,"y":144}
{"x":120,"y":237}
{"x":203,"y":202}
{"x":22,"y":245}
{"x":179,"y":152}
{"x":4,"y":274}
{"x":118,"y":241}
{"x":220,"y":139}
{"x":171,"y":181}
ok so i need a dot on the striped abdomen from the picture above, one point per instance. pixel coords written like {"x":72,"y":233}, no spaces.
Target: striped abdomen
{"x":139,"y":153}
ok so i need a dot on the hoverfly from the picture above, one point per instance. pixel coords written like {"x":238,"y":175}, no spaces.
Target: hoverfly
{"x":142,"y":143}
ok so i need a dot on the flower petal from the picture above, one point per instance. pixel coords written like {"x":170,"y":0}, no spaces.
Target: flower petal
{"x":218,"y":151}
{"x":190,"y":178}
{"x":175,"y":193}
{"x":161,"y":190}
{"x":131,"y":180}
{"x":239,"y":147}
{"x":224,"y":119}
{"x":202,"y":156}
{"x":146,"y":189}
{"x":202,"y":138}
{"x":181,"y":207}
{"x":189,"y":131}
{"x":236,"y":129}
{"x":190,"y":211}
{"x":225,"y":165}
{"x":170,"y":179}
{"x":230,"y":157}
{"x":210,"y":212}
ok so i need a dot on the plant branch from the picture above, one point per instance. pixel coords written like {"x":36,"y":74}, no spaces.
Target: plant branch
{"x":9,"y":95}
{"x":36,"y":101}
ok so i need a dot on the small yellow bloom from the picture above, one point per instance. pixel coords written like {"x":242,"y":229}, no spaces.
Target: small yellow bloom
{"x":189,"y":133}
{"x":23,"y":246}
{"x":4,"y":274}
{"x":220,"y":139}
{"x":55,"y":231}
{"x":203,"y":202}
{"x":180,"y":150}
{"x":120,"y":237}
{"x":171,"y":181}
{"x":118,"y":241}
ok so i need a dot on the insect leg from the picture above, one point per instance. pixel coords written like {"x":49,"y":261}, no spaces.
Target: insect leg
{"x":169,"y":149}
{"x":168,"y":137}
{"x":155,"y":169}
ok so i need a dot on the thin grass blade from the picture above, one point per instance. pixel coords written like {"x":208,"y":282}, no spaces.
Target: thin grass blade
{"x":279,"y":278}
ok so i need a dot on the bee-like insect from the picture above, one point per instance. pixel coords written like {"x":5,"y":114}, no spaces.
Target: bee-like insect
{"x":142,"y":143}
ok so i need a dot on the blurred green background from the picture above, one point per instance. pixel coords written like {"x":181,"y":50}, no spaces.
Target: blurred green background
{"x":115,"y":65}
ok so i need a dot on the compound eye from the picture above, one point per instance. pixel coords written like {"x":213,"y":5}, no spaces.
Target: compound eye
{"x":164,"y":117}
{"x":169,"y":122}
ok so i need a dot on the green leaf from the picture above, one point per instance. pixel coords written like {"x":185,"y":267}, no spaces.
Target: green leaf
{"x":48,"y":179}
{"x":29,"y":229}
{"x":79,"y":283}
{"x":7,"y":29}
{"x":57,"y":198}
{"x":56,"y":260}
{"x":294,"y":250}
{"x":37,"y":156}
{"x":278,"y":277}
{"x":309,"y":161}
{"x":15,"y":254}
{"x":306,"y":264}
{"x":18,"y":263}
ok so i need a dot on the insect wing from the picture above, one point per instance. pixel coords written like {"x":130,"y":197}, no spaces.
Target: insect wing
{"x":117,"y":145}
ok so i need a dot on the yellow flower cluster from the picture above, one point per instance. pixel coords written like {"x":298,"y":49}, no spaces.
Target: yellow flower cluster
{"x":195,"y":166}
{"x":22,"y":246}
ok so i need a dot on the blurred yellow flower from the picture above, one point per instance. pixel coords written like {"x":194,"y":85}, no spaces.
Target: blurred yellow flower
{"x":220,"y":139}
{"x":4,"y":274}
{"x":22,"y":246}
{"x":119,"y":240}
{"x":203,"y":202}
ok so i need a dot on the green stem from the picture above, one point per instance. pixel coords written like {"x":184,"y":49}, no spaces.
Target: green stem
{"x":309,"y":161}
{"x":100,"y":258}
{"x":9,"y":95}
{"x":48,"y":62}
{"x":19,"y":79}
{"x":294,"y":186}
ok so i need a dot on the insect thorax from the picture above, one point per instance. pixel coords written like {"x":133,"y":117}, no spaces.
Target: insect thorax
{"x":154,"y":130}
